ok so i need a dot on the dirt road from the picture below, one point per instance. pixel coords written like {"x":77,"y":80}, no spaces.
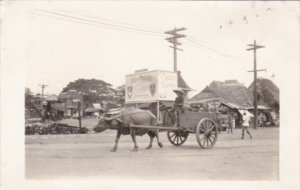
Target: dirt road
{"x":88,"y":155}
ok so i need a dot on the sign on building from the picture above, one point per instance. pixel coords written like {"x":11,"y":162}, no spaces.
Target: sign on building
{"x":150,"y":86}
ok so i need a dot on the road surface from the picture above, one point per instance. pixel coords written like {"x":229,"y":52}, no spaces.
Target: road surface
{"x":88,"y":155}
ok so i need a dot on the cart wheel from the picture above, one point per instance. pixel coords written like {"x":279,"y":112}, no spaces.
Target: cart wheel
{"x":177,"y":138}
{"x":206,"y":133}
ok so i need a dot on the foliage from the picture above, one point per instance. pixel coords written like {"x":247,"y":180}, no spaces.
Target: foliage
{"x":96,"y":91}
{"x":28,"y":97}
{"x":33,"y":107}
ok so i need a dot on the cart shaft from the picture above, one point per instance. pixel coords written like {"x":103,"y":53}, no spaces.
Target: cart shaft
{"x":156,"y":127}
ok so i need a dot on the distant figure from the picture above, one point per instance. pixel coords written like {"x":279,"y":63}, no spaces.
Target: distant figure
{"x":245,"y":20}
{"x":47,"y":111}
{"x":220,"y":27}
{"x":245,"y":124}
{"x":261,"y":120}
{"x":230,"y":122}
{"x":269,"y":9}
{"x":230,"y":23}
{"x":272,"y":76}
{"x":178,"y":106}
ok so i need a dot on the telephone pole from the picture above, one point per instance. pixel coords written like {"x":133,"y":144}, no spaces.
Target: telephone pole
{"x":254,"y":47}
{"x":43,"y":87}
{"x":173,"y":40}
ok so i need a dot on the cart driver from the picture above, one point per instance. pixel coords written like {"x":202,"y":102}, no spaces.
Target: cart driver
{"x":178,"y":106}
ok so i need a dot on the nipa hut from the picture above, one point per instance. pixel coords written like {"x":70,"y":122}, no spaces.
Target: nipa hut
{"x":267,"y":93}
{"x":230,"y":94}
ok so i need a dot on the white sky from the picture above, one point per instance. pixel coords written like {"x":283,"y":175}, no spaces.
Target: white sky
{"x":58,"y":51}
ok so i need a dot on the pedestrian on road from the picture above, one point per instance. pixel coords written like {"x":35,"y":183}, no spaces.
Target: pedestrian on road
{"x":230,"y":122}
{"x":245,"y":124}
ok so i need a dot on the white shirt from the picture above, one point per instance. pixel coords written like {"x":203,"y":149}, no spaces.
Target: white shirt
{"x":246,"y":120}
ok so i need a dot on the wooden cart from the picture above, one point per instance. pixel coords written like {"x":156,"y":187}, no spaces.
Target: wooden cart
{"x":158,"y":87}
{"x":204,"y":125}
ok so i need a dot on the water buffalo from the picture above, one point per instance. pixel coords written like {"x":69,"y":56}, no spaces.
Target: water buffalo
{"x":122,"y":121}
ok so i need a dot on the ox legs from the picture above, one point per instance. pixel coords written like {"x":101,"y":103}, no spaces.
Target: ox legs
{"x":151,"y":140}
{"x":158,"y":141}
{"x":133,"y":136}
{"x":153,"y":134}
{"x":114,"y":149}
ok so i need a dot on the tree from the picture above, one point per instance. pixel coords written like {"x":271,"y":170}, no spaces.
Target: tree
{"x":121,"y":94}
{"x":30,"y":104}
{"x":95,"y":91}
{"x":28,"y":97}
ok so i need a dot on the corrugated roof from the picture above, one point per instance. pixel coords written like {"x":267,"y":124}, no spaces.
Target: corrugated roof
{"x":205,"y":100}
{"x":236,"y":106}
{"x":72,"y":94}
{"x":93,"y":109}
{"x":263,"y":107}
{"x":51,"y":97}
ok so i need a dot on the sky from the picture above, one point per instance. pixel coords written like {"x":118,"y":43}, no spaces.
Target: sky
{"x":37,"y":50}
{"x":65,"y":41}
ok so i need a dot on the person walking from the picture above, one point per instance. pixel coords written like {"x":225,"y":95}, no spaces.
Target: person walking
{"x":245,"y":124}
{"x":230,"y":122}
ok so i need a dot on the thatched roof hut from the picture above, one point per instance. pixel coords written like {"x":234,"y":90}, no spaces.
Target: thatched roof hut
{"x":267,"y":93}
{"x":230,"y":91}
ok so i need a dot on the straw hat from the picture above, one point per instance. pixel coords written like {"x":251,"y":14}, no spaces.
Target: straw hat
{"x":178,"y":90}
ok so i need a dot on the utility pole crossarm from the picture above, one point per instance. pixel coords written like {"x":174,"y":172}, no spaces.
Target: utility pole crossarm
{"x":43,"y":86}
{"x":259,"y":70}
{"x":174,"y":41}
{"x":176,"y":48}
{"x":172,"y":32}
{"x":176,"y":37}
{"x":256,"y":46}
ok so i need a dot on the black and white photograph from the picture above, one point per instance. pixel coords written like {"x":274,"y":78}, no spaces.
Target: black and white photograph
{"x":150,"y":94}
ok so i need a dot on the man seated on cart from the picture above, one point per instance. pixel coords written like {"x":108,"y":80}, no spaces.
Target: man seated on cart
{"x":178,"y":106}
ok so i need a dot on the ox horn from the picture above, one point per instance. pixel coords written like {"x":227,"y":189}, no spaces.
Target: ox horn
{"x":111,"y":118}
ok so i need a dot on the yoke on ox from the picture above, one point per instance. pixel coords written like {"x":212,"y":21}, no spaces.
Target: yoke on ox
{"x":122,"y":123}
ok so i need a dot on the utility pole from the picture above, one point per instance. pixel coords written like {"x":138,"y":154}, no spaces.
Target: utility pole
{"x":79,"y":114}
{"x":43,"y":87}
{"x":254,"y":47}
{"x":173,"y":40}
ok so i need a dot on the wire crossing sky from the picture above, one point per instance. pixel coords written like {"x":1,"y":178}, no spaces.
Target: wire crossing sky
{"x":108,"y":40}
{"x":115,"y":25}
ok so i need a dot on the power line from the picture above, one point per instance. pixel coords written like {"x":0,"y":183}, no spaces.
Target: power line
{"x":129,"y":28}
{"x":212,"y":46}
{"x":121,"y":22}
{"x":213,"y":49}
{"x":95,"y":25}
{"x":125,"y":28}
{"x":100,"y":23}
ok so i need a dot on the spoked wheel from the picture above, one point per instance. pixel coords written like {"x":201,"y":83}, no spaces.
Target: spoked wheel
{"x":206,"y":133}
{"x":177,"y":138}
